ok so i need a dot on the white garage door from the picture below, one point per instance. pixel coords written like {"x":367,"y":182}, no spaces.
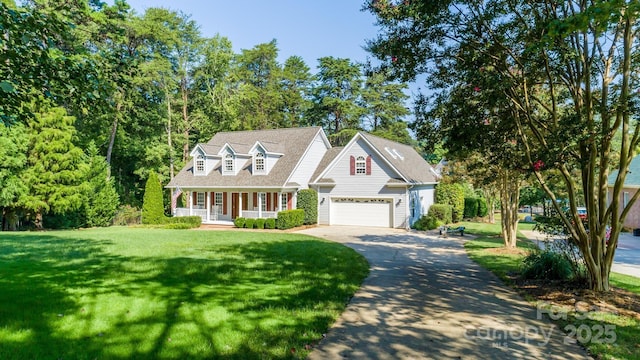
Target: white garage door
{"x":364,"y":212}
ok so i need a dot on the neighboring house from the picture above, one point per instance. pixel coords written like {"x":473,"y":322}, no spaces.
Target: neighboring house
{"x":254,"y":174}
{"x":631,"y":185}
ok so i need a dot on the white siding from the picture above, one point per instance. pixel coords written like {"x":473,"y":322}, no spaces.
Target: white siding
{"x":323,"y":205}
{"x":423,"y":197}
{"x":309,"y":162}
{"x":373,"y":186}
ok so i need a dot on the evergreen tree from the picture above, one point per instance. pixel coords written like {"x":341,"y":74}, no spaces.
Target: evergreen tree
{"x":102,"y":200}
{"x":53,"y":177}
{"x":336,"y":96}
{"x":152,"y":207}
{"x":13,"y":159}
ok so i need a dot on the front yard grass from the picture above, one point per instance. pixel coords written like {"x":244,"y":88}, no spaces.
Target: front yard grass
{"x":608,"y":333}
{"x":123,"y":293}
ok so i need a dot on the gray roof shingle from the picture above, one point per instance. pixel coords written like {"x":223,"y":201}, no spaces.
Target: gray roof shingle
{"x":405,"y":159}
{"x":291,"y":142}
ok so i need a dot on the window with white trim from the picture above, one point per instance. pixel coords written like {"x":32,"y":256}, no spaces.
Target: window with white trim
{"x":228,"y":163}
{"x":284,"y":200}
{"x":218,"y":202}
{"x":263,"y":201}
{"x":625,"y":198}
{"x":200,"y":199}
{"x":200,"y":164}
{"x":259,"y":163}
{"x":361,"y":165}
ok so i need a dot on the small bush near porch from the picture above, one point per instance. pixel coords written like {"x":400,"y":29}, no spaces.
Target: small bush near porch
{"x":169,"y":294}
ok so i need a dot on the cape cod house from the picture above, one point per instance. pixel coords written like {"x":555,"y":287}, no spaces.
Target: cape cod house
{"x":254,"y":174}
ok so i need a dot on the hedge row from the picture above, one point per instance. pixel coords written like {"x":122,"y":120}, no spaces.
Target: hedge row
{"x":249,"y":223}
{"x":289,"y":219}
{"x":182,"y":222}
{"x":475,"y":207}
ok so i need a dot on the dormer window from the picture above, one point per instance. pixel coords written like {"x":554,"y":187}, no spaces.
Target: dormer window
{"x":258,"y":161}
{"x":200,"y":164}
{"x":361,"y":165}
{"x":228,"y":164}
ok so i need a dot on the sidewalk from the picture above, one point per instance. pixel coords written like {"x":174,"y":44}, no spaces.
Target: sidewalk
{"x":425,"y":299}
{"x":626,"y":260}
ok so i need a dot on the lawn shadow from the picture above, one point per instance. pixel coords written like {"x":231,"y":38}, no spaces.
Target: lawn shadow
{"x":74,"y":298}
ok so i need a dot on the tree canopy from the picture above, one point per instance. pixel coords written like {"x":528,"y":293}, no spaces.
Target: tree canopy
{"x":540,"y":88}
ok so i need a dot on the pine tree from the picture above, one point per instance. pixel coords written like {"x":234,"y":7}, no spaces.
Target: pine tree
{"x":102,"y":199}
{"x":152,"y":208}
{"x":54,"y":175}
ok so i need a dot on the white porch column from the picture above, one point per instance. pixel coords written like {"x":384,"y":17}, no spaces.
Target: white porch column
{"x":294,"y":200}
{"x":259,"y":205}
{"x":240,"y":204}
{"x":279,"y":201}
{"x":190,"y":203}
{"x":208,"y":202}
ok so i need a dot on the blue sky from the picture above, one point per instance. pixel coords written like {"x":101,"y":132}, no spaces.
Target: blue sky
{"x":307,"y":28}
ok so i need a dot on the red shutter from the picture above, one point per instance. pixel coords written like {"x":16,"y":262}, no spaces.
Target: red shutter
{"x":245,"y":201}
{"x":289,"y":198}
{"x":194,"y":196}
{"x":352,"y":165}
{"x":369,"y":165}
{"x":224,"y":203}
{"x":255,"y":200}
{"x":269,"y":202}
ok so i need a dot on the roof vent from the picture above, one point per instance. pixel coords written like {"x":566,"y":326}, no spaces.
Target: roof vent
{"x":398,"y":153}
{"x":390,"y":152}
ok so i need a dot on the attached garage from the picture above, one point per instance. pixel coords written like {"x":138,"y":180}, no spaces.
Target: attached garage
{"x":361,"y":211}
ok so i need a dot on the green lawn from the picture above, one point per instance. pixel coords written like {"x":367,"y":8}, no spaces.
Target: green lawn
{"x":123,"y":293}
{"x":626,"y":329}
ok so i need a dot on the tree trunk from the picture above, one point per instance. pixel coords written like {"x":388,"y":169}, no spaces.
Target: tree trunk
{"x":169,"y":140}
{"x":509,"y":196}
{"x":112,"y":138}
{"x":38,"y":220}
{"x":185,"y":119}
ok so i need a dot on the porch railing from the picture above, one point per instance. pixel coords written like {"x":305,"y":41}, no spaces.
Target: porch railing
{"x":253,"y":214}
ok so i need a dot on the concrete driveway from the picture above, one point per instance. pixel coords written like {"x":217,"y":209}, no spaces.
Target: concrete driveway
{"x":424,"y":299}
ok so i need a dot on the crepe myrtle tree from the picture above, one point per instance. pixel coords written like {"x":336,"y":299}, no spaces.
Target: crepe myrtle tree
{"x":563,"y":70}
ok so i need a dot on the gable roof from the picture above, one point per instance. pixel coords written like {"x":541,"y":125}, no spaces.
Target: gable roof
{"x":405,"y":160}
{"x":292,"y":143}
{"x":633,"y":175}
{"x":409,"y":164}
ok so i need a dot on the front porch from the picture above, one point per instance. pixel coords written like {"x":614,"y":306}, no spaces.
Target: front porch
{"x":224,"y":206}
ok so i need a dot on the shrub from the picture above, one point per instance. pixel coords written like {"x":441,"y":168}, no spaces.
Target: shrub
{"x":127,"y":215}
{"x":177,"y":225}
{"x":470,"y":207}
{"x":483,"y":209}
{"x":270,"y":223}
{"x":190,"y":221}
{"x":259,"y":224}
{"x":152,"y":207}
{"x":239,"y":222}
{"x":451,"y":194}
{"x":249,"y":223}
{"x":441,"y":212}
{"x":308,"y":201}
{"x":546,"y":265}
{"x":427,"y":222}
{"x":289,"y":219}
